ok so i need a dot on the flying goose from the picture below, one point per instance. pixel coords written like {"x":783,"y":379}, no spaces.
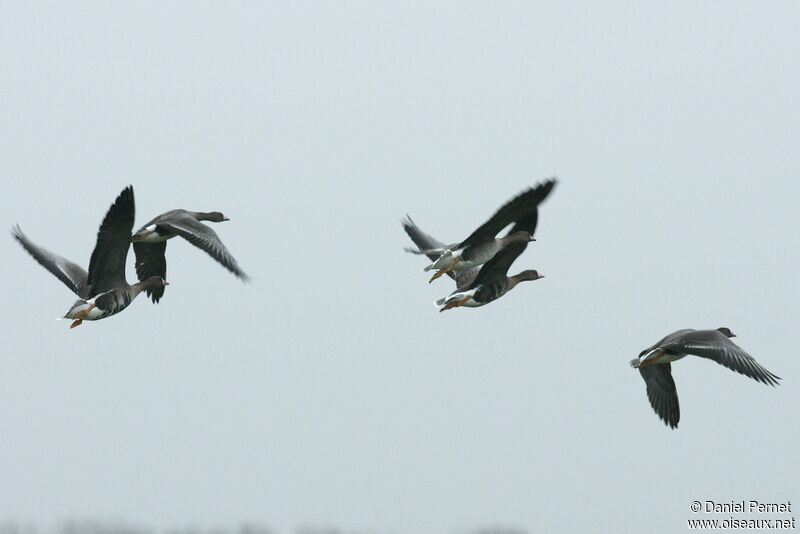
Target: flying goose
{"x":654,"y":365}
{"x":150,"y":244}
{"x":103,"y":291}
{"x":481,"y":246}
{"x":491,"y":282}
{"x":479,"y":285}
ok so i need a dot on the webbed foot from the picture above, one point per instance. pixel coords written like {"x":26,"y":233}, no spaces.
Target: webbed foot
{"x":455,"y":303}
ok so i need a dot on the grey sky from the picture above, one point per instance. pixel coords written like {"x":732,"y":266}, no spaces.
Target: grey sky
{"x":329,"y":391}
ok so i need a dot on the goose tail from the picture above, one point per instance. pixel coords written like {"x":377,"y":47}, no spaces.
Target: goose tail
{"x":78,"y":306}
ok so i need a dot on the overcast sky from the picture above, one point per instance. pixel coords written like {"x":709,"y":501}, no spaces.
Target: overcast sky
{"x":329,"y":391}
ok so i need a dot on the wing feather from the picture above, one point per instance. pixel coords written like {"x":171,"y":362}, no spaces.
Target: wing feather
{"x":528,"y":222}
{"x":206,"y":239}
{"x":151,"y":261}
{"x":661,"y":392}
{"x":73,"y":276}
{"x":714,"y":345}
{"x":520,"y":209}
{"x":107,"y":265}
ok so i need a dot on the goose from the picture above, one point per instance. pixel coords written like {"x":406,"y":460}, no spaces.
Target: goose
{"x":482,"y":244}
{"x":479,"y":285}
{"x":491,"y":282}
{"x":103,"y":291}
{"x":654,"y":365}
{"x":150,"y":244}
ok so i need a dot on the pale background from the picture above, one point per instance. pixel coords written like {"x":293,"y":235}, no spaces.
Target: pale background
{"x":329,"y":391}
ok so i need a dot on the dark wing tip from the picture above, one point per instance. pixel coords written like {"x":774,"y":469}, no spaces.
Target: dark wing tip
{"x":661,"y":393}
{"x":16,"y":232}
{"x":543,"y":189}
{"x":771,"y":379}
{"x":669,"y":415}
{"x":408,"y":224}
{"x":125,"y":199}
{"x":20,"y":237}
{"x":155,"y":294}
{"x":123,"y":207}
{"x":760,"y":374}
{"x":126,"y":196}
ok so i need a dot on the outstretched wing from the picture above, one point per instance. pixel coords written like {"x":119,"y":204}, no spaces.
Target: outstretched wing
{"x":107,"y":266}
{"x":427,"y":245}
{"x":528,"y":222}
{"x":517,"y":209}
{"x":205,"y":238}
{"x":71,"y":274}
{"x":151,"y":261}
{"x":714,"y":345}
{"x":662,"y":393}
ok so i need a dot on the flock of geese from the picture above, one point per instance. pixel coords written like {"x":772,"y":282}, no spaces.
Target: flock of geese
{"x":103,"y":291}
{"x":478,"y":265}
